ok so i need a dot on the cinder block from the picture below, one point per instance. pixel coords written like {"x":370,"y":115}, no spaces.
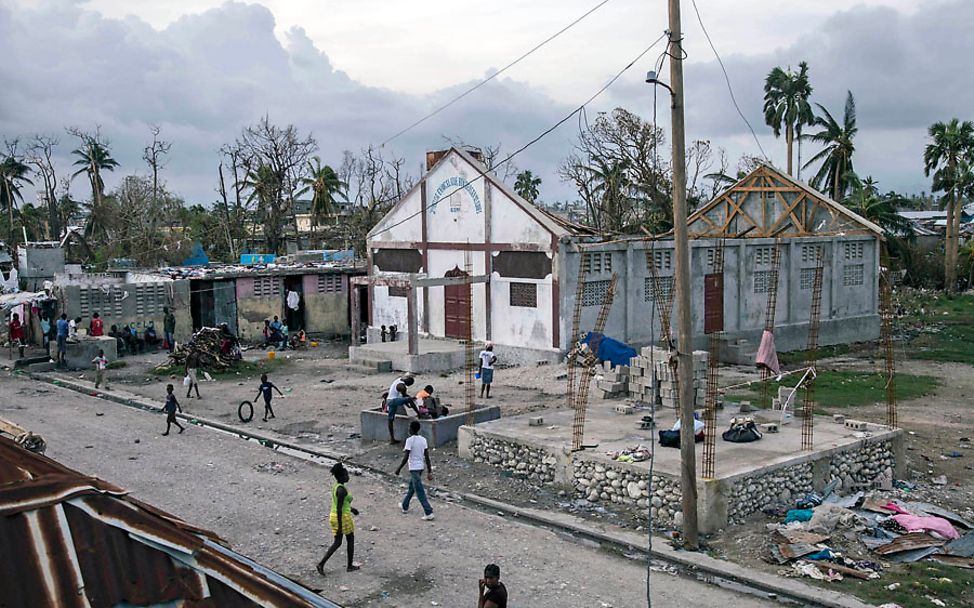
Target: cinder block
{"x":769,"y":427}
{"x":838,"y":418}
{"x":536,"y":421}
{"x":625,"y":410}
{"x":855,"y":425}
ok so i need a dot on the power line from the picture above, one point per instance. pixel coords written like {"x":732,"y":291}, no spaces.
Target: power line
{"x":730,"y":89}
{"x":495,"y":74}
{"x":536,"y":139}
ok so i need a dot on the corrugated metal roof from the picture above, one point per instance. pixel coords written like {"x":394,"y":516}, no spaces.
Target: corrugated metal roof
{"x":67,"y":539}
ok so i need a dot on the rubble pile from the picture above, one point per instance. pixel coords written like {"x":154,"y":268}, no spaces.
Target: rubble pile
{"x":860,"y":535}
{"x":649,"y":378}
{"x":206,"y":342}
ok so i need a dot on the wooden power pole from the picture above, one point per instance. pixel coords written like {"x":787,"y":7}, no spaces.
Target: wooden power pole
{"x":688,"y":457}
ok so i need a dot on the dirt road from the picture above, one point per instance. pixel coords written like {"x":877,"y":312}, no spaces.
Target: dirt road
{"x":271,"y":507}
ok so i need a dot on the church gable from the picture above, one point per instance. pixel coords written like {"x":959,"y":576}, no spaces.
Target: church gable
{"x":767,"y":203}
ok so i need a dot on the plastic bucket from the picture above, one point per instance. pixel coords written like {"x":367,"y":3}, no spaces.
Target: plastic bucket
{"x":271,"y":355}
{"x":314,"y":344}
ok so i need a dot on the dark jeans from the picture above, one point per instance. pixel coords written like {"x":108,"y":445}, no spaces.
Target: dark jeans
{"x":416,"y":487}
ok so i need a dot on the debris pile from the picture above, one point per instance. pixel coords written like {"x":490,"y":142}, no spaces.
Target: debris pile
{"x":207,"y":343}
{"x":830,"y":537}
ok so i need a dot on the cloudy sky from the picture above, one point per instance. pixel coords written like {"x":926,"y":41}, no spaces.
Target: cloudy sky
{"x":353,"y":72}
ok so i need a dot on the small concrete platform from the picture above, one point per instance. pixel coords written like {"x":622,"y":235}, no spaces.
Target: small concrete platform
{"x":437,"y":431}
{"x":433,"y":356}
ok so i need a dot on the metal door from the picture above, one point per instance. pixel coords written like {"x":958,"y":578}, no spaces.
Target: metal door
{"x":713,"y":303}
{"x":225,"y":304}
{"x":457,"y":307}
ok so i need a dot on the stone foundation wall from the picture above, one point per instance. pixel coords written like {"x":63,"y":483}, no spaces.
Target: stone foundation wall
{"x":523,"y":461}
{"x":752,"y":494}
{"x":862,"y":466}
{"x":628,"y":488}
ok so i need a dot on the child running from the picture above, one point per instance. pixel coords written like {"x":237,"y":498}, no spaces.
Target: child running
{"x":340,"y":519}
{"x":170,"y":408}
{"x":267,"y":389}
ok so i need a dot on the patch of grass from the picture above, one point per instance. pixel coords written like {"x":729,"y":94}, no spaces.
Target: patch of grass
{"x":948,"y":343}
{"x":838,"y":389}
{"x":798,"y":357}
{"x":246,"y":368}
{"x":116,"y":365}
{"x":954,"y":586}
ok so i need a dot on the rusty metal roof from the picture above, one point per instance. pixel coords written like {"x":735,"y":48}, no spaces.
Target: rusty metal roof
{"x":67,"y":539}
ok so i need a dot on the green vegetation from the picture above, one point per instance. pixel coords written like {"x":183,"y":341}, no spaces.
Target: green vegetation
{"x":839,"y":389}
{"x":918,"y":581}
{"x":798,"y":357}
{"x":945,"y":327}
{"x":116,"y":364}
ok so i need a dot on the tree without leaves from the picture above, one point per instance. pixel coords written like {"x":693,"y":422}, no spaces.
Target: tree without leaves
{"x":786,"y":96}
{"x":526,"y":186}
{"x":836,"y":155}
{"x":374,"y":183}
{"x":153,"y":155}
{"x":40,"y":153}
{"x":948,"y":157}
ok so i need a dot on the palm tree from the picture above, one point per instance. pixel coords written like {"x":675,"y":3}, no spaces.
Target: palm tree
{"x":13,"y":175}
{"x":264,"y":185}
{"x":93,"y":158}
{"x":34,"y":221}
{"x":526,"y":186}
{"x":786,"y":103}
{"x":324,"y":184}
{"x":613,"y":186}
{"x":881,"y":209}
{"x":836,"y":155}
{"x":948,"y":157}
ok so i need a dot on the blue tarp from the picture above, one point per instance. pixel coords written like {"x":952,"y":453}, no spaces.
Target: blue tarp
{"x":250,"y":259}
{"x":198,"y":257}
{"x":607,"y":349}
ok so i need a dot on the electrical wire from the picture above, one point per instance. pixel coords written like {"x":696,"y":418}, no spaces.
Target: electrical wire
{"x":495,"y":74}
{"x":730,"y":89}
{"x":544,"y":133}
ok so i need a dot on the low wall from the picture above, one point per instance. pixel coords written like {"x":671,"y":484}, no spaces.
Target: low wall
{"x":373,"y":424}
{"x":625,"y":487}
{"x":78,"y":355}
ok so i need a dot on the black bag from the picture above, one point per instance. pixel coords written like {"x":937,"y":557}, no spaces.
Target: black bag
{"x":742,"y":433}
{"x":669,"y":439}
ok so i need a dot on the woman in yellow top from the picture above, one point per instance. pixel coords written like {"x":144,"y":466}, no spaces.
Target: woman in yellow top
{"x":340,"y":518}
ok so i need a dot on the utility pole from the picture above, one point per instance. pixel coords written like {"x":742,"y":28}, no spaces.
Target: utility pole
{"x":688,"y":457}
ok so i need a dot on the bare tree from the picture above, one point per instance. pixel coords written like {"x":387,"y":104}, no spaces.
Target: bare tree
{"x":40,"y":155}
{"x":154,"y":155}
{"x":493,"y":158}
{"x":375,"y":183}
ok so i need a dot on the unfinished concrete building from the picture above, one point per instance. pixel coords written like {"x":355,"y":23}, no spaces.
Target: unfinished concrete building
{"x":529,"y":263}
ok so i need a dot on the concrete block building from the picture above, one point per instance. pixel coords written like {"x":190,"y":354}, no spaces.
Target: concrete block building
{"x":460,"y":219}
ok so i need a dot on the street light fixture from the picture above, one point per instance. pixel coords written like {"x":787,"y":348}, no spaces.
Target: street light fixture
{"x":652,"y":79}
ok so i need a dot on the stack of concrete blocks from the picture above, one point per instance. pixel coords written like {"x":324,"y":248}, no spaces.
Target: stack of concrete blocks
{"x":614,"y":381}
{"x":652,"y":380}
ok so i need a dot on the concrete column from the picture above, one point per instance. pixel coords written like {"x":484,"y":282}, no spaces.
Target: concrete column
{"x":627,"y":291}
{"x":356,"y":313}
{"x":412,"y":325}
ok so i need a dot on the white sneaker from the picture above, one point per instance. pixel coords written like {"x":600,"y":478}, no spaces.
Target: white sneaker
{"x":404,"y":511}
{"x":429,"y":517}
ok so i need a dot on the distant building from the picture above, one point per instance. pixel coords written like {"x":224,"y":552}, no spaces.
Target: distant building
{"x":460,"y":213}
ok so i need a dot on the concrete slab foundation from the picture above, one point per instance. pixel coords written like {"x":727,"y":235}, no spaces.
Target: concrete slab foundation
{"x":437,"y":355}
{"x":79,"y":354}
{"x":438,"y":431}
{"x":748,"y":477}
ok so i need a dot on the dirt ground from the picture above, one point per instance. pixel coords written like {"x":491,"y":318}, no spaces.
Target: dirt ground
{"x":271,"y":508}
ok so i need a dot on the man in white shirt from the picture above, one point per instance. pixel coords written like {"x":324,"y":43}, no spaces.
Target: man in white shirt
{"x":416,"y":453}
{"x":487,"y":361}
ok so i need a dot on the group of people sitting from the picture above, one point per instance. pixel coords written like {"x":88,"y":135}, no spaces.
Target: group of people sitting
{"x":397,"y":400}
{"x":130,"y":341}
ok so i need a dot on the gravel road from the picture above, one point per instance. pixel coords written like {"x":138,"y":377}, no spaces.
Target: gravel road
{"x":271,"y":507}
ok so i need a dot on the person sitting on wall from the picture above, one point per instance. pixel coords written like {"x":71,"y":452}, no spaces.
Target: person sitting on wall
{"x":151,"y":338}
{"x":121,"y":344}
{"x":96,"y":327}
{"x":135,"y":343}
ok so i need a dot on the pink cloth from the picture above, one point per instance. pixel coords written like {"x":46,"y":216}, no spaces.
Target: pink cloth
{"x":941,"y":526}
{"x":895,"y":508}
{"x":767,"y":355}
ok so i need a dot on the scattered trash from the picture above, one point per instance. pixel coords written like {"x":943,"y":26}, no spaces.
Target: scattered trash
{"x":798,"y":515}
{"x":939,"y":480}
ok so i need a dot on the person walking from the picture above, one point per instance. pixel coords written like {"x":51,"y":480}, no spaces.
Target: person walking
{"x":62,"y":339}
{"x":493,"y":593}
{"x":416,"y":453}
{"x":169,"y":328}
{"x":101,"y":368}
{"x":192,"y":367}
{"x":267,"y":389}
{"x":15,"y":330}
{"x":487,"y":361}
{"x":45,"y":331}
{"x":170,"y":408}
{"x":96,"y":327}
{"x":340,"y":519}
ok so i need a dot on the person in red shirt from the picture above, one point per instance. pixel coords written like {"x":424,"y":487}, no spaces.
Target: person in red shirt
{"x":16,"y":330}
{"x":97,"y":326}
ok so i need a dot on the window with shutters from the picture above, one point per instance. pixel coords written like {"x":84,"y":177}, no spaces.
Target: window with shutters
{"x":594,"y":292}
{"x":853,"y":251}
{"x":329,"y":283}
{"x":265,"y":287}
{"x":665,"y":287}
{"x":524,"y":295}
{"x":810,"y":253}
{"x":853,"y":275}
{"x":596,"y":262}
{"x":662,"y":259}
{"x":763,"y":256}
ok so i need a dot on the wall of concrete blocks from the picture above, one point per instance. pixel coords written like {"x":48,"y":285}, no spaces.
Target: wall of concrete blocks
{"x":849,"y":299}
{"x":123,"y":303}
{"x":650,"y":379}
